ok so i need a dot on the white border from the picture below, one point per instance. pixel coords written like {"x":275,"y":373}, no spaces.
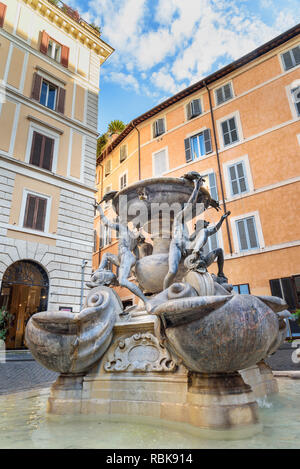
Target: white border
{"x":167,"y":161}
{"x":219,"y":122}
{"x":26,"y":192}
{"x":221,"y":86}
{"x":288,"y":90}
{"x":188,"y":103}
{"x":259,"y":231}
{"x":121,"y":175}
{"x":281,"y":59}
{"x":249,"y":182}
{"x":48,"y":133}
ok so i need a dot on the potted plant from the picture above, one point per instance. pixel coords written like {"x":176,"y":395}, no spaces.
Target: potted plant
{"x":4,"y":323}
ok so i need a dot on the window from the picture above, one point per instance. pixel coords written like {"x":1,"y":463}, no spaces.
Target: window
{"x":53,"y":49}
{"x":123,"y":181}
{"x":106,"y":235}
{"x":109,"y":202}
{"x":107,"y":167}
{"x":123,"y":153}
{"x":35,"y":212}
{"x":2,"y":14}
{"x":95,"y":240}
{"x":242,"y":289}
{"x":211,"y":184}
{"x":198,"y":145}
{"x":158,"y":127}
{"x":194,"y":109}
{"x":41,"y":151}
{"x":291,"y":58}
{"x":230,"y":132}
{"x":237,"y":177}
{"x":296,"y":99}
{"x":48,"y":94}
{"x":160,"y":163}
{"x":212,"y":244}
{"x":247,"y":234}
{"x":224,"y":93}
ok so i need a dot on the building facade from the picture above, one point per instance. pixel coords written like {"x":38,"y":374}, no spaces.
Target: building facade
{"x":240,"y":127}
{"x":49,"y":70}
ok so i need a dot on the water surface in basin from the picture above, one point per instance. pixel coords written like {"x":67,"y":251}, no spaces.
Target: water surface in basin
{"x":25,"y":424}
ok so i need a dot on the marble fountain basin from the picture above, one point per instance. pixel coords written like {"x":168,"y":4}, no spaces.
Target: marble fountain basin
{"x":222,"y":334}
{"x":163,"y":190}
{"x":71,"y":343}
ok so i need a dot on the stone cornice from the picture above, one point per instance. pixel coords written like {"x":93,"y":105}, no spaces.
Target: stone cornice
{"x":78,"y":30}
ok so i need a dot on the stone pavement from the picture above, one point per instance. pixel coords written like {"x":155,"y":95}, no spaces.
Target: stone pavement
{"x":21,"y":372}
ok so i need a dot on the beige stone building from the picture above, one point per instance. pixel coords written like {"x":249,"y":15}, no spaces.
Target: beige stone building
{"x":49,"y":70}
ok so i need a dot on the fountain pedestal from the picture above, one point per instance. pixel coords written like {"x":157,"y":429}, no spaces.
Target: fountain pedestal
{"x":138,"y":378}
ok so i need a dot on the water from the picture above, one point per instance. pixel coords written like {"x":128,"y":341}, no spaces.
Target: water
{"x":25,"y":424}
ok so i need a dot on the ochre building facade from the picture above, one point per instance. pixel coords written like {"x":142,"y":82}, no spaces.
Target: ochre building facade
{"x":240,"y":127}
{"x":49,"y":75}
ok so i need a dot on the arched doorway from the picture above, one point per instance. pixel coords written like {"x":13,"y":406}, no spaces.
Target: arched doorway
{"x":24,"y":291}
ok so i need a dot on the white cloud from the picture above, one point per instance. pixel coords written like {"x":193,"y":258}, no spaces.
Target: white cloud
{"x":164,"y":46}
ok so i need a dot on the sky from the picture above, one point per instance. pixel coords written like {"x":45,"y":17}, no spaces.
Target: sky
{"x":163,"y":46}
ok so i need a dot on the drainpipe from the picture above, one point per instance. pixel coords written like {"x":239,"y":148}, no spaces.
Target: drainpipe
{"x":219,"y":165}
{"x":83,"y":264}
{"x":139,"y":149}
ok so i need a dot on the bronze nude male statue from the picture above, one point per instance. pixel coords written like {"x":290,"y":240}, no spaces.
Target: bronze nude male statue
{"x":127,"y":255}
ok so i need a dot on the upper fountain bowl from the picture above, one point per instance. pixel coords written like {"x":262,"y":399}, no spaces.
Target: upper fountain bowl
{"x":163,"y":190}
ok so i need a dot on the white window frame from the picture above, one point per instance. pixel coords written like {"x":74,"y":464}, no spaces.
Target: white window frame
{"x":47,"y":96}
{"x":165,"y":125}
{"x":207,"y":173}
{"x":235,"y":235}
{"x":288,"y":90}
{"x":125,"y":173}
{"x":245,"y":160}
{"x":188,"y":103}
{"x":221,"y":86}
{"x":280,"y":57}
{"x":121,"y":146}
{"x":219,"y":122}
{"x":167,"y":161}
{"x":27,"y":192}
{"x":33,"y":127}
{"x":107,"y":237}
{"x":52,"y":56}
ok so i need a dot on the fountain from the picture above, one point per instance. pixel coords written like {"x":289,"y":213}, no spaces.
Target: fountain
{"x":192,"y":351}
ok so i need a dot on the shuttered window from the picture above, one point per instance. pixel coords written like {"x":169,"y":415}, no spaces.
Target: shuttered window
{"x":123,"y":181}
{"x":2,"y":14}
{"x":224,"y":93}
{"x":47,"y":94}
{"x":237,"y":177}
{"x":107,"y":168}
{"x":291,"y":58}
{"x":160,"y":164}
{"x":58,"y":52}
{"x":42,"y":151}
{"x":123,"y":153}
{"x":109,"y":202}
{"x":247,"y":234}
{"x":230,"y":132}
{"x":198,"y":145}
{"x":158,"y":127}
{"x":296,"y":99}
{"x":211,"y":184}
{"x":35,"y":212}
{"x":106,"y":235}
{"x":212,"y":244}
{"x":194,"y":108}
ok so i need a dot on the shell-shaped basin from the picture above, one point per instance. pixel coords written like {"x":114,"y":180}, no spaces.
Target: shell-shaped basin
{"x":218,"y":334}
{"x":72,"y":343}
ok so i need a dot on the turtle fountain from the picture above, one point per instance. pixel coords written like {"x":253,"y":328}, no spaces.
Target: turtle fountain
{"x":191,"y":351}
